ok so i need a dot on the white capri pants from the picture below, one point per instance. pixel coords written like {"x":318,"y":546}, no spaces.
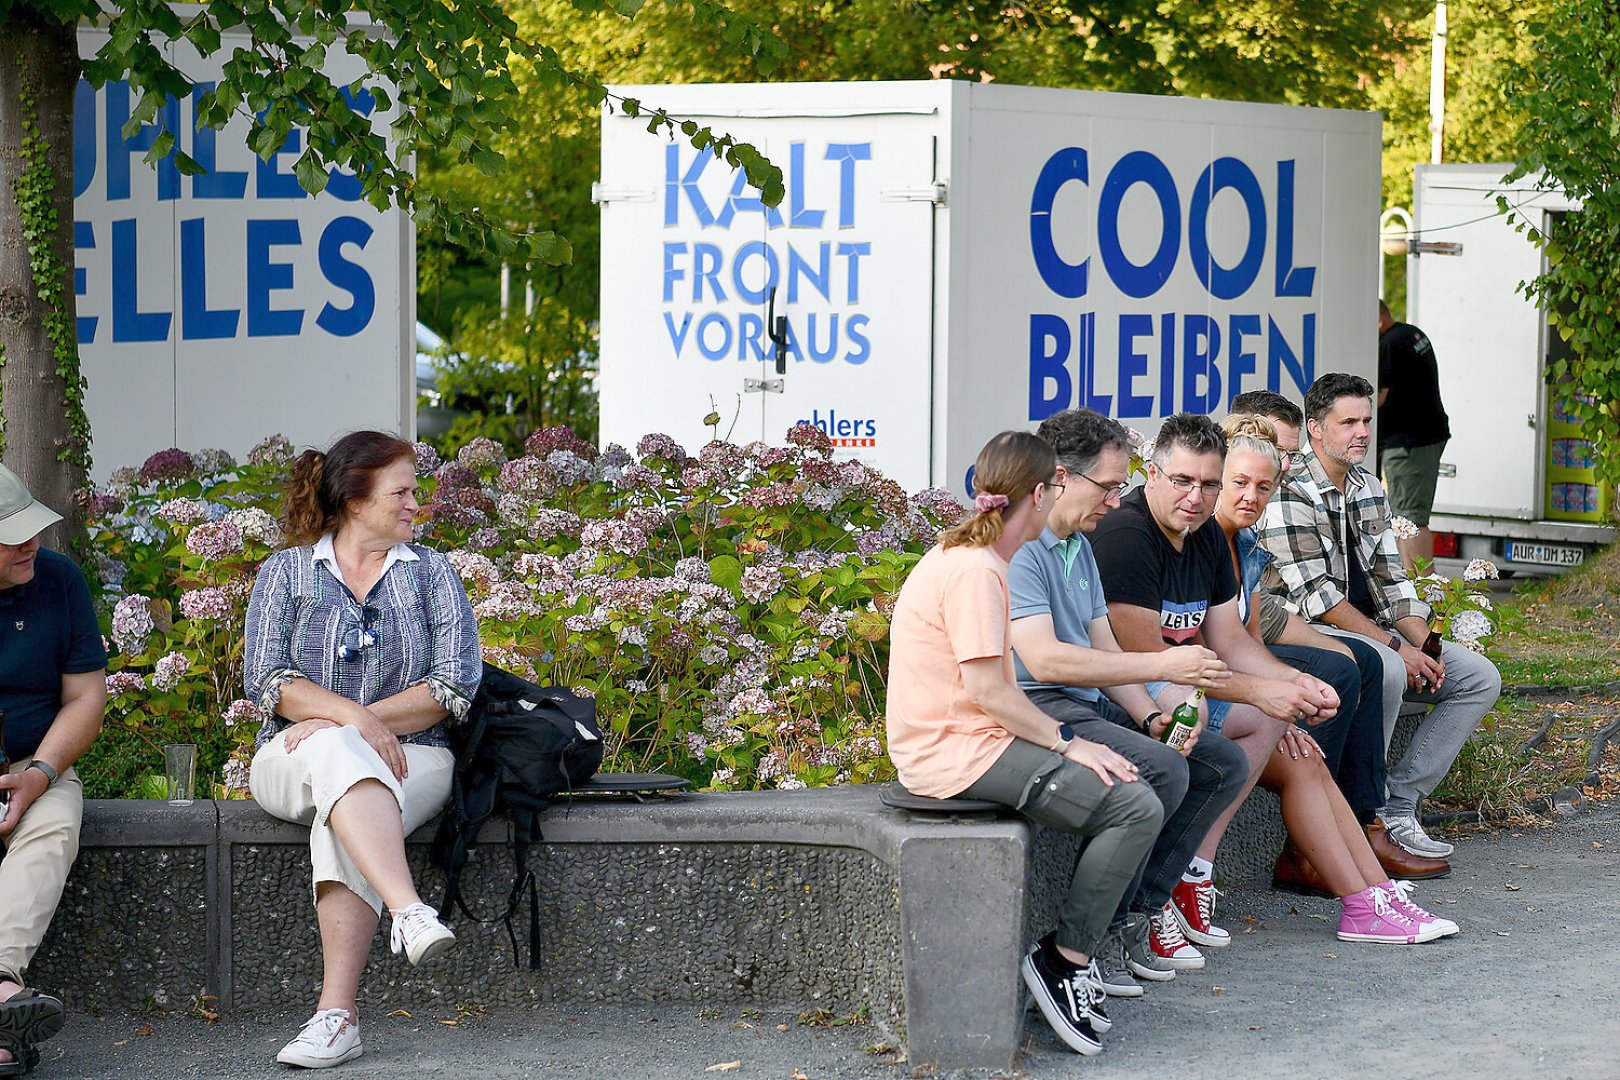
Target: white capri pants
{"x":302,"y":787}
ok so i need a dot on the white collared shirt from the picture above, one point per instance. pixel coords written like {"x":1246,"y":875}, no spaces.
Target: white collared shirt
{"x":325,"y":552}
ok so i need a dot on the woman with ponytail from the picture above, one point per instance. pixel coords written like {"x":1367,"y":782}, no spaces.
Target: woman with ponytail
{"x":959,"y":725}
{"x":360,"y":645}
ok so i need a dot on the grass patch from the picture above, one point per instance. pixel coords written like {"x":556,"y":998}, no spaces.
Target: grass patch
{"x":1552,"y":632}
{"x":1561,"y":631}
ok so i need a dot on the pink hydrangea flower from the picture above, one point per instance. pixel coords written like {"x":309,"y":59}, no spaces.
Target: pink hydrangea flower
{"x":169,"y":670}
{"x":810,"y":437}
{"x":427,"y":458}
{"x":170,"y":464}
{"x":183,"y":511}
{"x":124,"y":682}
{"x":132,"y":623}
{"x":242,"y":711}
{"x":215,"y":540}
{"x":271,"y":450}
{"x":544,"y":441}
{"x":482,"y":453}
{"x":206,"y":603}
{"x":659,"y":445}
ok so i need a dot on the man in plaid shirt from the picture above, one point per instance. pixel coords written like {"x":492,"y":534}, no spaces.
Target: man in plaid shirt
{"x":1329,"y":527}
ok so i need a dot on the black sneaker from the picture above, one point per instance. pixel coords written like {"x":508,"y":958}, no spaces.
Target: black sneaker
{"x":1071,"y":1001}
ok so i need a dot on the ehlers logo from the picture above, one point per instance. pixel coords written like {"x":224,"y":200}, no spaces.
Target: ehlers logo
{"x":843,"y":431}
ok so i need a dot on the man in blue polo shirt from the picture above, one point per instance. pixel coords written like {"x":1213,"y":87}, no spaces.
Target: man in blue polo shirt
{"x":1070,"y":665}
{"x":53,"y":691}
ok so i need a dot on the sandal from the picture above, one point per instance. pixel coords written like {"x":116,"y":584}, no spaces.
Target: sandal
{"x":26,"y":1018}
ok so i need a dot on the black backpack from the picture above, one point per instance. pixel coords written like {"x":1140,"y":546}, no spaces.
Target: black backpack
{"x":520,"y":745}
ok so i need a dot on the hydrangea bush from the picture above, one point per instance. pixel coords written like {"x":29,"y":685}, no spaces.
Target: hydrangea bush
{"x":729,"y":611}
{"x":1462,"y":607}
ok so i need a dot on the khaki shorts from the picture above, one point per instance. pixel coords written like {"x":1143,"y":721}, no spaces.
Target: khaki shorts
{"x":1273,"y":617}
{"x":1409,"y":478}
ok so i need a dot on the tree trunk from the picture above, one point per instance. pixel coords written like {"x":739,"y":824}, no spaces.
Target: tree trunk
{"x":39,"y":72}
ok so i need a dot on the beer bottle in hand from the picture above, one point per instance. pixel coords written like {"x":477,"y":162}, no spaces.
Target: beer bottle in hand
{"x":1183,"y":721}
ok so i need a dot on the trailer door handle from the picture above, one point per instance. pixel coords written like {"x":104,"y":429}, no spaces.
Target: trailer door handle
{"x":776,"y":330}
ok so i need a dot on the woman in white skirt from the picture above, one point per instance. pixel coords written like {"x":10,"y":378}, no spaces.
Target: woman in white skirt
{"x":360,"y":647}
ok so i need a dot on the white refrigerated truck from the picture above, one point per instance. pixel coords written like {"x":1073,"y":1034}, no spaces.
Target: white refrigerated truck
{"x":1516,"y":484}
{"x":954,"y":259}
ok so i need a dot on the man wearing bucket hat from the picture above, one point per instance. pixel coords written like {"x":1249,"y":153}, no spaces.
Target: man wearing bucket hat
{"x":53,"y":691}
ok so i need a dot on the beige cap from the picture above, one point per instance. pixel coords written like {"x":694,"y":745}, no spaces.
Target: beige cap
{"x":22,"y":517}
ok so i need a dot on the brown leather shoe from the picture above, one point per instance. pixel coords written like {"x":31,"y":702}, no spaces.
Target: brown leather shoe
{"x":1398,"y":862}
{"x":1294,"y":873}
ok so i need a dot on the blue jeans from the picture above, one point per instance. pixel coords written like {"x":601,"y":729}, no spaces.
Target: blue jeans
{"x":1470,"y":689}
{"x":1353,"y":741}
{"x":1195,"y":790}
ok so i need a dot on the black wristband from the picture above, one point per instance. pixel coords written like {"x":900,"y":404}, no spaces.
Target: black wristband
{"x":1147,"y":721}
{"x":44,"y":767}
{"x":1395,"y":642}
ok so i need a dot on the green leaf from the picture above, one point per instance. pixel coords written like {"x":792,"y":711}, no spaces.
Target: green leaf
{"x":726,"y":571}
{"x":312,"y":175}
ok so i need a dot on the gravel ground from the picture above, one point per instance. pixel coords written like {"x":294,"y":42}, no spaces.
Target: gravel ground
{"x":1526,"y":990}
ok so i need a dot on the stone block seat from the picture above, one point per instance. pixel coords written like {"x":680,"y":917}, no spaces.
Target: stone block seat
{"x":833,"y":898}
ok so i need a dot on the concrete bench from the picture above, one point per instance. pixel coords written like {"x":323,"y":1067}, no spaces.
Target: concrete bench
{"x":815,"y":899}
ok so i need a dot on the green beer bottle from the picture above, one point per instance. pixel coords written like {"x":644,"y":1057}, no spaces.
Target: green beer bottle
{"x":1182,"y":721}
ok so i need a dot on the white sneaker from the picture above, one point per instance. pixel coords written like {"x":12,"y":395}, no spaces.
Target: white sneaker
{"x":328,"y":1038}
{"x":419,"y":933}
{"x":1408,"y":832}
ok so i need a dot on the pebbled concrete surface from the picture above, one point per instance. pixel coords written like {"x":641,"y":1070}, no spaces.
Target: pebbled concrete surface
{"x":1527,"y":990}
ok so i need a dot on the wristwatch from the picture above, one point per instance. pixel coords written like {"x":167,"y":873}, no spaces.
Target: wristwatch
{"x":45,"y":767}
{"x":1395,"y":642}
{"x":1147,"y":721}
{"x":1065,"y":737}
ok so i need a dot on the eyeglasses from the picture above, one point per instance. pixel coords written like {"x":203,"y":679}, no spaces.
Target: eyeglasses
{"x":1116,"y":490}
{"x":357,"y":637}
{"x":1184,"y":484}
{"x":1293,"y":460}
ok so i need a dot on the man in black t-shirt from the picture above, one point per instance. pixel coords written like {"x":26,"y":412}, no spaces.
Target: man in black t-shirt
{"x":53,"y":691}
{"x":1169,"y":581}
{"x":1412,"y":428}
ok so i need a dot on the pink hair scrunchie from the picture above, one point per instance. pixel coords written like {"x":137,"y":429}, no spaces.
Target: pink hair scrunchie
{"x":985,"y":501}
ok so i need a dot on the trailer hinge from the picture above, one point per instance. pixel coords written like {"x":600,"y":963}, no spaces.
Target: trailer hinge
{"x":933,"y":193}
{"x":763,"y":386}
{"x":600,"y":194}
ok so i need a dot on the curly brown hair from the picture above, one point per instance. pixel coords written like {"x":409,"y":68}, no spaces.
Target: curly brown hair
{"x":321,"y":486}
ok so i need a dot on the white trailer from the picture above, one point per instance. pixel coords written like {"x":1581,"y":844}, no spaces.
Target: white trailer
{"x":1507,"y":474}
{"x":217,"y":309}
{"x":955,"y":259}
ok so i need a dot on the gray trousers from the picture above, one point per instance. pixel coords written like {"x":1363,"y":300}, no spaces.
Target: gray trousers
{"x":1471,"y":686}
{"x":1119,"y":823}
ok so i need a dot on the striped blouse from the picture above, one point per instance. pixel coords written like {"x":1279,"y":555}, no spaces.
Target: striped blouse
{"x":415,"y":628}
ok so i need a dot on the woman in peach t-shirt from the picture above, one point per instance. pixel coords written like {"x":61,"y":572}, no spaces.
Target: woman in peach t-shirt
{"x":959,"y":725}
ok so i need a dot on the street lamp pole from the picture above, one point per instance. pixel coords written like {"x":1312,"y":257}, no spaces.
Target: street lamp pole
{"x":1437,"y":84}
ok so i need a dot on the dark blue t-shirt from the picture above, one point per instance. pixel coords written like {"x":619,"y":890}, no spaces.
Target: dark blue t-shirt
{"x":47,"y":629}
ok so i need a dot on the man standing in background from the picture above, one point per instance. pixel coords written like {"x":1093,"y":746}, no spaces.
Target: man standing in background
{"x":1412,"y":428}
